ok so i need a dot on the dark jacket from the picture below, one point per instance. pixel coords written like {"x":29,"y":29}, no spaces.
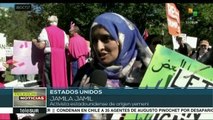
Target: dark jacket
{"x":209,"y":59}
{"x":88,"y":68}
{"x":186,"y":50}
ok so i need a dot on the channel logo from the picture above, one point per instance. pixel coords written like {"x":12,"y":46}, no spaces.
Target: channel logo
{"x":23,"y":7}
{"x":29,"y":97}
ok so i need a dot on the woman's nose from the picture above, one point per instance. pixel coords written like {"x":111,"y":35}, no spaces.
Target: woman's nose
{"x":100,"y":45}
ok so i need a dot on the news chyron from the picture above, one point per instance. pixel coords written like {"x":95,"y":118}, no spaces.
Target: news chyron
{"x":23,"y":7}
{"x":29,"y":100}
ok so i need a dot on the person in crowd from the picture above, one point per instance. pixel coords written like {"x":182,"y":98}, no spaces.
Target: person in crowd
{"x":145,"y":34}
{"x":153,"y":40}
{"x":54,"y":41}
{"x":89,"y":57}
{"x":78,"y":50}
{"x":8,"y":77}
{"x":203,"y":52}
{"x":119,"y":50}
{"x":184,"y":48}
{"x":209,"y":61}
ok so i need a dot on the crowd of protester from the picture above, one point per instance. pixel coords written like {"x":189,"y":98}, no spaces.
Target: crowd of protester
{"x":116,"y":47}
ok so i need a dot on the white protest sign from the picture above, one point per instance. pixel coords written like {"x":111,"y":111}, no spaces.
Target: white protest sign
{"x":174,"y":41}
{"x":184,"y":36}
{"x":22,"y":54}
{"x":9,"y":51}
{"x":186,"y":79}
{"x":192,"y":41}
{"x":2,"y":51}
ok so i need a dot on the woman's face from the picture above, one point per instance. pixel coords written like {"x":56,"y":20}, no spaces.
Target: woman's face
{"x":106,"y":49}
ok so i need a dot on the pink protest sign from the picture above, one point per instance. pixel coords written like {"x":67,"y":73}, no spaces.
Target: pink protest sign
{"x":26,"y":57}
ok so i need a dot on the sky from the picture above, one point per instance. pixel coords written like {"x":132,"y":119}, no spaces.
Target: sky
{"x":7,"y":5}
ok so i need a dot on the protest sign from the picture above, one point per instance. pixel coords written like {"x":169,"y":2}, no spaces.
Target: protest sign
{"x":192,"y":41}
{"x":160,"y":72}
{"x":173,"y":19}
{"x":165,"y":63}
{"x":9,"y":51}
{"x":27,"y":58}
{"x":175,"y":42}
{"x":186,"y":79}
{"x":2,"y":52}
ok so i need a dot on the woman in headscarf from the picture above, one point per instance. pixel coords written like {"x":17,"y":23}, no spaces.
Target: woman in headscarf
{"x":117,"y":49}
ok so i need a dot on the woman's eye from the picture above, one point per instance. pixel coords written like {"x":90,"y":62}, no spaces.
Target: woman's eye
{"x":94,"y":40}
{"x":106,"y":38}
{"x":102,"y":38}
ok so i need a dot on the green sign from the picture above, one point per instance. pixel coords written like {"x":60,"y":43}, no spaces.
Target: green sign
{"x":163,"y":66}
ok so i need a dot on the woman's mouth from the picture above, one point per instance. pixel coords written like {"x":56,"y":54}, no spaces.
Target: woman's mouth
{"x":102,"y":55}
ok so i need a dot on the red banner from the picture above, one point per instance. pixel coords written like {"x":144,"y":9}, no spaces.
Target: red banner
{"x":173,"y":19}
